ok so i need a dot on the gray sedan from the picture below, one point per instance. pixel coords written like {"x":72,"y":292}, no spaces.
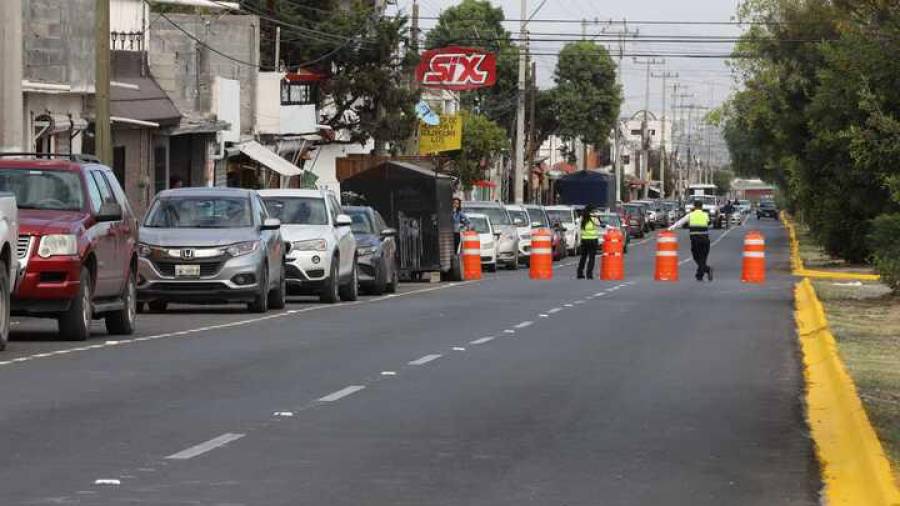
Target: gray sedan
{"x":210,"y":245}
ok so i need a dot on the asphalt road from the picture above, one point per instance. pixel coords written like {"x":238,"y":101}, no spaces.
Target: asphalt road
{"x":501,"y":392}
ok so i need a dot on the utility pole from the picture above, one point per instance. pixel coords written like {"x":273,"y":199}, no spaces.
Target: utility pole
{"x":277,"y":48}
{"x":518,"y":169}
{"x":102,"y":128}
{"x":662,"y":138}
{"x":414,"y":27}
{"x":532,"y":96}
{"x":11,"y":103}
{"x":684,"y":175}
{"x":645,"y":137}
{"x":617,"y":138}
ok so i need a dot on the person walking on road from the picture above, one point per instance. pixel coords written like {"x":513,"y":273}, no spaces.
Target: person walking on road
{"x":698,"y":223}
{"x":590,"y":234}
{"x":729,"y":210}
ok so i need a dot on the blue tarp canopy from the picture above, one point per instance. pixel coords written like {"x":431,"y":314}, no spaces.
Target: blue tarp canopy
{"x":586,"y":187}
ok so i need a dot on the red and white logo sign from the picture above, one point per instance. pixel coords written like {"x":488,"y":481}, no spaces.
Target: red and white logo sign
{"x":457,"y":68}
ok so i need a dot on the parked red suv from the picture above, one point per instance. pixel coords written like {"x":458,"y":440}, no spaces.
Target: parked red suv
{"x":76,"y":244}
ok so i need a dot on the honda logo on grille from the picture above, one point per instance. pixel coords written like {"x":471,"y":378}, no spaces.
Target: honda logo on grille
{"x":187,"y":253}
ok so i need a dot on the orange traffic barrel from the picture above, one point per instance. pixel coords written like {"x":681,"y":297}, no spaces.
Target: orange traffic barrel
{"x":541,"y":259}
{"x":754,"y":270}
{"x":471,"y":255}
{"x":666,"y":256}
{"x":612,"y":267}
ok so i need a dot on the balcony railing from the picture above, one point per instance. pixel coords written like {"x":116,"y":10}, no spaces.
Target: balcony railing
{"x":127,"y":41}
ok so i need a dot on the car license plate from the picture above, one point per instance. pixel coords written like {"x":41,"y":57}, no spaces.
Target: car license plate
{"x":187,"y":271}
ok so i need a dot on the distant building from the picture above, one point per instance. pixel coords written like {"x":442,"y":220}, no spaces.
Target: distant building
{"x":752,"y":189}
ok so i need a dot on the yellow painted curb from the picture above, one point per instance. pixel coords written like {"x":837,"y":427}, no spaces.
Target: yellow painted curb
{"x":854,"y":467}
{"x":800,"y":270}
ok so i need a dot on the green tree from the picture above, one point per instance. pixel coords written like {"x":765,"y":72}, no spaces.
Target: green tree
{"x":587,"y":96}
{"x":476,"y":23}
{"x":722,"y":179}
{"x":483,"y":140}
{"x":366,"y":55}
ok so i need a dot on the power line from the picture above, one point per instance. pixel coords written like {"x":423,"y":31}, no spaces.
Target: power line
{"x":645,"y":22}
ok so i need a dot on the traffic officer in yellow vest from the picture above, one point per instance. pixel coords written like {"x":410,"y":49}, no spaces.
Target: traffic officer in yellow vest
{"x":590,"y":235}
{"x":698,"y":223}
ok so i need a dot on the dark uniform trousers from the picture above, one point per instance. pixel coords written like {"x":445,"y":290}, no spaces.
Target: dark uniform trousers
{"x":700,"y":252}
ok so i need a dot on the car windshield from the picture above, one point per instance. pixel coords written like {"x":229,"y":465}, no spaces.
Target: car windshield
{"x":200,"y":212}
{"x":766,"y":204}
{"x":536,"y":216}
{"x":362,"y":223}
{"x":497,"y":215}
{"x":520,"y":218}
{"x":480,"y":224}
{"x":560,"y":215}
{"x":298,"y":210}
{"x":44,"y":189}
{"x":611,"y":219}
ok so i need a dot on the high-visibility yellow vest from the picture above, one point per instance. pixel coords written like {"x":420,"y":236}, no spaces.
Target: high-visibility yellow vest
{"x":698,"y":222}
{"x":591,"y":230}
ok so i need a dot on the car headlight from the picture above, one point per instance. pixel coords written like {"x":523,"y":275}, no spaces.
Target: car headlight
{"x":242,"y":248}
{"x":366,"y":250}
{"x":57,"y":244}
{"x":310,"y":245}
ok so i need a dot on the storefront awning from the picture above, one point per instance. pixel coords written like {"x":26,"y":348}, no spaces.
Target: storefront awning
{"x":268,"y":158}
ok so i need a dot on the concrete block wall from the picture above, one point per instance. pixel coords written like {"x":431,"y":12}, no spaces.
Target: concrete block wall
{"x":186,"y":69}
{"x":58,"y":42}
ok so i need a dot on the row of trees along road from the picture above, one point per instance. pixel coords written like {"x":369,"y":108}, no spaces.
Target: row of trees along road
{"x":818,"y":116}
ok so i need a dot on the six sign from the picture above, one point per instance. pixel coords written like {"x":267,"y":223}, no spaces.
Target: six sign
{"x":457,"y":68}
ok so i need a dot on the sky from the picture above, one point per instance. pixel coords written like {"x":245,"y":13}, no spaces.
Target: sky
{"x":709,"y":80}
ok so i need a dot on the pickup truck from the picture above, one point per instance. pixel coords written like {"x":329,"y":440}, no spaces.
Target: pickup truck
{"x":9,"y":233}
{"x":76,"y":243}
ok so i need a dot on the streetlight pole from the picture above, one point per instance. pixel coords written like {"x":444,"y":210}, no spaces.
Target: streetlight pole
{"x":662,"y":138}
{"x":645,"y":138}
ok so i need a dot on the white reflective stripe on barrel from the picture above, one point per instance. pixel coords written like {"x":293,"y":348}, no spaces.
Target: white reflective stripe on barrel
{"x":541,"y":251}
{"x":754,"y":254}
{"x":755,"y":242}
{"x":474,"y":252}
{"x":667,"y":239}
{"x":667,"y":253}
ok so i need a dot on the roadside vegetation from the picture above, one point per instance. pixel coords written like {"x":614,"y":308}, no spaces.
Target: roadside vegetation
{"x":865,"y":319}
{"x":817,"y":116}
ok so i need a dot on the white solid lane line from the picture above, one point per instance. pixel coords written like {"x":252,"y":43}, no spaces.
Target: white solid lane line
{"x":482,"y":340}
{"x":204,"y":447}
{"x":524,"y":324}
{"x":424,"y":360}
{"x":340,"y":394}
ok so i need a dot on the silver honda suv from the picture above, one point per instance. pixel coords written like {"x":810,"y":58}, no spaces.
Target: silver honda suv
{"x":210,"y":245}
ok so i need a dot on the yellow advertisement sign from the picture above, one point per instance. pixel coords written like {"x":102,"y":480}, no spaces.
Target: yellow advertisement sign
{"x":445,"y":136}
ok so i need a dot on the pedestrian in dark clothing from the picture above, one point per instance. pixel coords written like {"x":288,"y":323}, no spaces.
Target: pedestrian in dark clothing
{"x":460,"y":222}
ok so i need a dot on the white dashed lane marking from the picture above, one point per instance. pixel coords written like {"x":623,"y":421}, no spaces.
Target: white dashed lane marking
{"x":424,"y":360}
{"x":340,"y":394}
{"x":204,"y":447}
{"x":482,"y":340}
{"x":524,"y":324}
{"x":555,"y":310}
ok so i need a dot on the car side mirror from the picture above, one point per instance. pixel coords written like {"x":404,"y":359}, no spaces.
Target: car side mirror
{"x":271,"y":224}
{"x":109,"y":211}
{"x":389,"y":232}
{"x":343,"y":220}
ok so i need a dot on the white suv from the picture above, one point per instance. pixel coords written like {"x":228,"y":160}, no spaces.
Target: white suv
{"x":321,"y":258}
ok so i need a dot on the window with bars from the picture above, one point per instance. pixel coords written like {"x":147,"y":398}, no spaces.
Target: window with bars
{"x":298,"y":93}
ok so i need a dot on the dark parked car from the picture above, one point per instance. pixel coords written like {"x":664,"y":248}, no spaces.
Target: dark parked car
{"x":76,"y":244}
{"x":767,"y":209}
{"x":635,"y":220}
{"x":376,"y":250}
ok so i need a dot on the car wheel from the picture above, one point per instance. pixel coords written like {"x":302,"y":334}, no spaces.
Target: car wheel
{"x":4,"y":307}
{"x":75,"y":324}
{"x":329,"y":293}
{"x":260,"y":302}
{"x":349,"y":292}
{"x":158,"y":306}
{"x":278,"y":296}
{"x":121,"y":322}
{"x":380,"y":283}
{"x":391,"y":287}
